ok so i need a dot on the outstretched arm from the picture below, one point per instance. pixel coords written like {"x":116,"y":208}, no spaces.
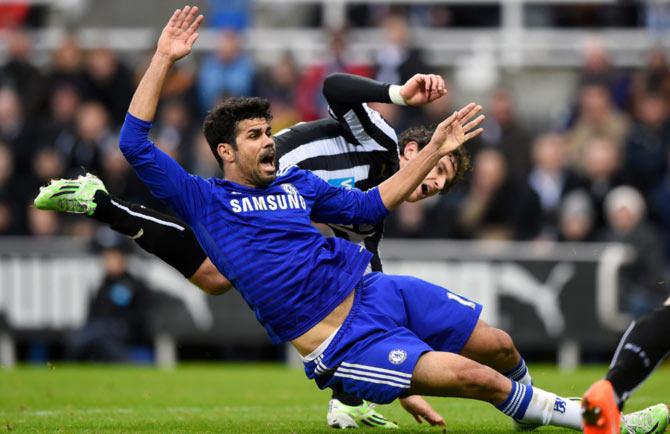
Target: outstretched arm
{"x":176,"y":41}
{"x":165,"y":178}
{"x":347,"y":94}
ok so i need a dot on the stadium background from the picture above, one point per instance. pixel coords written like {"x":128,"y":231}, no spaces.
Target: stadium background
{"x":577,"y":98}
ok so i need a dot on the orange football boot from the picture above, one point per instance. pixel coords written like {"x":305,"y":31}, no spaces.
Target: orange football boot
{"x":600,"y":412}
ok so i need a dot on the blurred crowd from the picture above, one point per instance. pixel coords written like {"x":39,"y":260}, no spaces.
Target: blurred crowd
{"x":602,"y":173}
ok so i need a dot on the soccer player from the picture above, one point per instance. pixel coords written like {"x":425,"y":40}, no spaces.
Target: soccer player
{"x":356,"y":148}
{"x":641,"y":349}
{"x":376,"y":336}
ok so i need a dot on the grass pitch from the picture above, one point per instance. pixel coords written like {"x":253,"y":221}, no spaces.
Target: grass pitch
{"x":233,"y":398}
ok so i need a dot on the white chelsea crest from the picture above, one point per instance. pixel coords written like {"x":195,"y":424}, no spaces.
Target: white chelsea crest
{"x":289,"y":188}
{"x":397,"y":356}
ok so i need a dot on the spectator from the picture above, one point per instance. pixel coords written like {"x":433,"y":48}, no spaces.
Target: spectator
{"x":654,"y":78}
{"x":42,"y":223}
{"x":577,"y":217}
{"x":59,"y":127}
{"x":494,"y":207}
{"x":19,"y":73}
{"x":116,"y":314}
{"x":648,"y":142}
{"x":108,"y":81}
{"x":311,"y":103}
{"x":227,"y":72}
{"x":66,"y":65}
{"x":17,"y":131}
{"x":602,"y":170}
{"x":93,"y":137}
{"x":279,"y":84}
{"x":551,"y":179}
{"x":503,"y":131}
{"x":597,"y":117}
{"x":597,"y":70}
{"x":398,"y":61}
{"x":643,"y":280}
{"x":410,"y":220}
{"x":10,"y":217}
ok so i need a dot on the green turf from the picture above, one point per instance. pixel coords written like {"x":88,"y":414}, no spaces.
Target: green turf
{"x":231,"y":399}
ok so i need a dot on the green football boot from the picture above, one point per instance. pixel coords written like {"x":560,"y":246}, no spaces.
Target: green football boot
{"x":348,"y":416}
{"x":651,"y":420}
{"x":70,"y":195}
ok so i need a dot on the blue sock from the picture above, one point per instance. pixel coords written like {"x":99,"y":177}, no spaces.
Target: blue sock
{"x":520,"y":374}
{"x":517,"y":402}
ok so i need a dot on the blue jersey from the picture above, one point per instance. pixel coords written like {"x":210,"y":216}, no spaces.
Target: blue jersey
{"x":262,"y":239}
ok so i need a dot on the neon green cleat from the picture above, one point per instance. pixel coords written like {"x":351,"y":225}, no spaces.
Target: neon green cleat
{"x":651,"y":420}
{"x":70,"y":195}
{"x":347,"y":416}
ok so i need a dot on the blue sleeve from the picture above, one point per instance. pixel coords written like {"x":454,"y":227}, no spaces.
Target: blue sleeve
{"x":186,"y":194}
{"x":343,"y":205}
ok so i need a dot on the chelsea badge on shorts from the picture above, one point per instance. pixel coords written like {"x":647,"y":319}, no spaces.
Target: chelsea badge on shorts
{"x":397,"y":356}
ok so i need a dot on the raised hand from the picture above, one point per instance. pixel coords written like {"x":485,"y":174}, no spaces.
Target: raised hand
{"x":422,"y":89}
{"x":421,"y":410}
{"x":458,"y":128}
{"x":179,"y":35}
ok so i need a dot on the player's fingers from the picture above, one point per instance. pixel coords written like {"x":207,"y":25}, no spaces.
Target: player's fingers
{"x":182,"y":16}
{"x":441,"y":85}
{"x":191,"y":39}
{"x":417,"y":418}
{"x":173,"y":18}
{"x":466,"y":109}
{"x":194,"y":26}
{"x":470,"y":113}
{"x":473,"y":124}
{"x":436,"y":82}
{"x":190,"y":18}
{"x":473,"y":134}
{"x":448,"y":121}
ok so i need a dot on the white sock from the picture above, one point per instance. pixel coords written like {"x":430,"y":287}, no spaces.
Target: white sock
{"x":548,"y":409}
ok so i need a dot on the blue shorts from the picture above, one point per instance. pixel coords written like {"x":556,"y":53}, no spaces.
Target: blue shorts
{"x":393,"y":321}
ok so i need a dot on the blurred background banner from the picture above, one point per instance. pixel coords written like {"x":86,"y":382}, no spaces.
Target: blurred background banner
{"x":561,"y":230}
{"x":556,"y":298}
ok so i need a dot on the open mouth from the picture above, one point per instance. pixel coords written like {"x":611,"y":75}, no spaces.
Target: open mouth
{"x":267,"y":162}
{"x":425,"y":190}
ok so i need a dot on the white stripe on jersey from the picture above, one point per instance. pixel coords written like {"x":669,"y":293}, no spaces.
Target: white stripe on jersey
{"x":325,"y":147}
{"x":360,"y":173}
{"x":356,"y":127}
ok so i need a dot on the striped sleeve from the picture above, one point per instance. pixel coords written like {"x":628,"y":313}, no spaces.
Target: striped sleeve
{"x":347,"y":96}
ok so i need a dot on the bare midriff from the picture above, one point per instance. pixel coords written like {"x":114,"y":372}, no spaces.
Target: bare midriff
{"x":310,"y":340}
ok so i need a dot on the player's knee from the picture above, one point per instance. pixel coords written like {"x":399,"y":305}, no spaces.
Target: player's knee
{"x":505,"y":345}
{"x":667,"y":302}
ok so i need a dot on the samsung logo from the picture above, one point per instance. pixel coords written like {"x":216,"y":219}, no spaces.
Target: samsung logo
{"x":271,"y":202}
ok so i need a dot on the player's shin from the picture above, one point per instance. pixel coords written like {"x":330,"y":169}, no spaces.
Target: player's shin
{"x":531,"y":405}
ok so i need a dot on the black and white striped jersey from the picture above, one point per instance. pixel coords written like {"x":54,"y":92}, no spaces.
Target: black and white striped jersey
{"x":355,"y":148}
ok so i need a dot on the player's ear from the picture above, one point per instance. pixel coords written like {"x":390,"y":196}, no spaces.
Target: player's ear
{"x":226,"y":152}
{"x":411,"y":150}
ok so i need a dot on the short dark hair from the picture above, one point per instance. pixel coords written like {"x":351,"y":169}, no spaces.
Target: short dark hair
{"x":221,"y":122}
{"x":422,"y":135}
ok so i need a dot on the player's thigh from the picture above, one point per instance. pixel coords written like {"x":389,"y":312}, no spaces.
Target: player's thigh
{"x":441,"y":318}
{"x":447,"y":374}
{"x":378,"y":367}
